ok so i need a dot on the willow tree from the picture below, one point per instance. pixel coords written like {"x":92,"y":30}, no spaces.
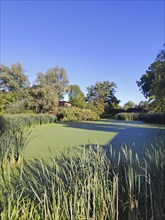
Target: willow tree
{"x":14,"y":85}
{"x":49,"y":88}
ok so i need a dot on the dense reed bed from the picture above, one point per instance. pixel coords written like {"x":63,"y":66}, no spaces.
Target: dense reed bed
{"x":86,"y":184}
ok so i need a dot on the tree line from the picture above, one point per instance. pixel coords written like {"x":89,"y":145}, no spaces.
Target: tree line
{"x":48,"y":89}
{"x":18,"y":96}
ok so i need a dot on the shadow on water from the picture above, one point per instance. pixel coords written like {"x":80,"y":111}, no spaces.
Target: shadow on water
{"x":135,"y":134}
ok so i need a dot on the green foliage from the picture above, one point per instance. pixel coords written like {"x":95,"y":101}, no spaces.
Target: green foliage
{"x":155,"y":173}
{"x":152,"y":83}
{"x":49,"y":88}
{"x":143,"y":105}
{"x":15,"y":133}
{"x":100,"y":94}
{"x":76,"y":96}
{"x":157,"y":105}
{"x":146,"y":82}
{"x":56,"y":78}
{"x":156,"y":118}
{"x":13,"y":78}
{"x":1,"y":102}
{"x":32,"y":119}
{"x":16,"y":107}
{"x":76,"y":114}
{"x":101,"y":90}
{"x":14,"y":86}
{"x":129,"y":105}
{"x":43,"y":99}
{"x":16,"y":96}
{"x":47,"y":91}
{"x":14,"y":137}
{"x":96,"y":106}
{"x":130,"y":116}
{"x":3,"y":124}
{"x":86,"y":185}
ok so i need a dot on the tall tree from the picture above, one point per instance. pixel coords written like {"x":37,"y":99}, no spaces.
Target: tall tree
{"x":42,"y":99}
{"x":143,"y":104}
{"x":14,"y":85}
{"x":100,"y":94}
{"x":129,"y":104}
{"x":49,"y":88}
{"x":13,"y":78}
{"x":101,"y":91}
{"x":56,"y":78}
{"x":152,"y":82}
{"x":76,"y":96}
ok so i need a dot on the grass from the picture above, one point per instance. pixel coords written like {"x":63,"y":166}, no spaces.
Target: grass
{"x":56,"y":137}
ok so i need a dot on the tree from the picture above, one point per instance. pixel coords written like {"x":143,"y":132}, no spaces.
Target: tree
{"x":101,"y":94}
{"x":56,"y":78}
{"x":152,"y":82}
{"x":49,"y":89}
{"x":76,"y":96}
{"x":14,"y":85}
{"x":42,"y":99}
{"x":13,"y":78}
{"x":143,"y":104}
{"x":129,"y":105}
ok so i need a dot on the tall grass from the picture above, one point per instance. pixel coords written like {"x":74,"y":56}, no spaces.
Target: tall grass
{"x":15,"y":132}
{"x":127,"y":116}
{"x":155,"y":118}
{"x":31,"y":119}
{"x":86,"y":184}
{"x":14,"y":137}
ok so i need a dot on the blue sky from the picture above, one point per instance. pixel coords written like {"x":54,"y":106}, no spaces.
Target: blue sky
{"x":92,"y":40}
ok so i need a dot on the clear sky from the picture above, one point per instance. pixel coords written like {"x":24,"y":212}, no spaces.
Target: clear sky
{"x":92,"y":40}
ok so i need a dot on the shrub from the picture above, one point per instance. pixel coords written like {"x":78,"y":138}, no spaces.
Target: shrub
{"x":130,"y":116}
{"x":16,"y":107}
{"x":76,"y":114}
{"x":156,"y":118}
{"x":124,"y":116}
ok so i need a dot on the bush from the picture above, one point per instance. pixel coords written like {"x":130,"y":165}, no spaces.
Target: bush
{"x":156,"y":118}
{"x":130,"y":116}
{"x":76,"y":114}
{"x":16,"y":107}
{"x":122,"y":116}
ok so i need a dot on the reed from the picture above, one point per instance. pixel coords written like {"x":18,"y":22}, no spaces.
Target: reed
{"x":86,"y":184}
{"x":14,"y":137}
